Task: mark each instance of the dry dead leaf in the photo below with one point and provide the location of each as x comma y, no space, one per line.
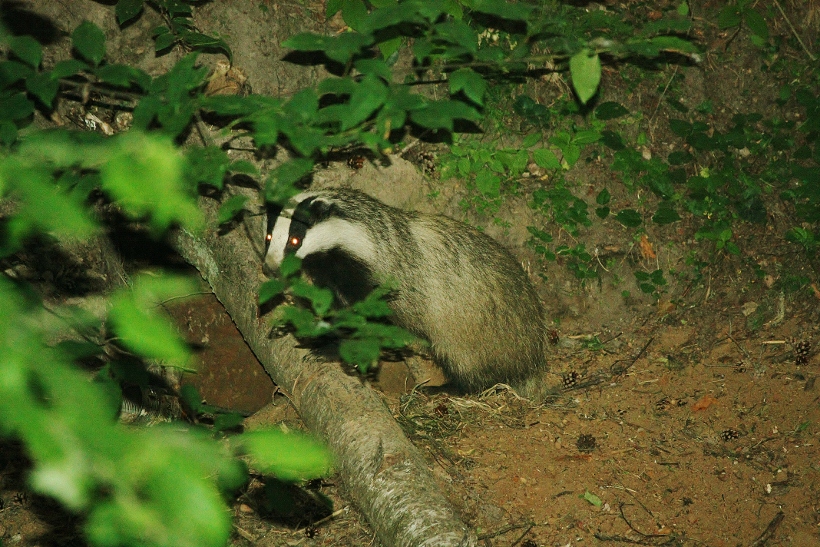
704,402
646,248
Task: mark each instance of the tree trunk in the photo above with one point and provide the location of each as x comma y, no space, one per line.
381,470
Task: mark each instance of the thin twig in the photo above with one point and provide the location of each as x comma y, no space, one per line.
794,31
619,370
322,520
509,528
657,106
767,534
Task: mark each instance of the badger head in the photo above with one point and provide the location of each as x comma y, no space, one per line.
323,229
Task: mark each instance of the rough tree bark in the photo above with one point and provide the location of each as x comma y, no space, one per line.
383,472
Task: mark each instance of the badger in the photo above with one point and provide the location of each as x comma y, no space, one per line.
451,284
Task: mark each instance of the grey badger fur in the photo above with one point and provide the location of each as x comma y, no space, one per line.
454,286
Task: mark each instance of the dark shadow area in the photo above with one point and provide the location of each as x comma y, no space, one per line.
20,21
30,518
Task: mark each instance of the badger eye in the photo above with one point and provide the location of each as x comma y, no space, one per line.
294,242
268,237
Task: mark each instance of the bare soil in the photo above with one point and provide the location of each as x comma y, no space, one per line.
688,420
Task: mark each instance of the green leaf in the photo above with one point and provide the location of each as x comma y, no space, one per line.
512,12
145,112
164,41
546,158
127,10
8,133
670,43
354,13
284,178
144,174
302,106
470,82
332,8
459,33
647,288
629,218
586,136
183,78
202,42
440,114
69,67
679,157
612,140
244,167
665,215
340,48
729,16
585,69
531,140
680,128
234,105
12,72
362,353
43,87
603,197
345,46
390,49
404,13
676,25
756,23
592,498
89,41
231,208
288,456
488,183
572,154
140,328
368,96
540,234
290,265
41,205
610,110
208,165
308,41
228,420
270,289
657,278
27,49
376,67
337,86
374,305
123,76
321,299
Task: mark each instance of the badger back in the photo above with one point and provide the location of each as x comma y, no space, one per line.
477,308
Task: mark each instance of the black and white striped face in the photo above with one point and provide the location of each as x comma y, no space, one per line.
312,223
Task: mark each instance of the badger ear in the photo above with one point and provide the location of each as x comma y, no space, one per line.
320,209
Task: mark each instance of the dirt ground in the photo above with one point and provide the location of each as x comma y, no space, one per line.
688,420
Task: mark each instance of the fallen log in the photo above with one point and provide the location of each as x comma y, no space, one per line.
382,472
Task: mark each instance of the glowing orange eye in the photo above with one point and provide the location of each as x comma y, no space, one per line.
268,237
294,241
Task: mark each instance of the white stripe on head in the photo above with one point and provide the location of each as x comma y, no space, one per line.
338,233
279,238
